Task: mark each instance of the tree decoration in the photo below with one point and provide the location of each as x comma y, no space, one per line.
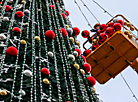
94,90
94,46
87,67
63,31
102,37
126,32
26,24
70,30
26,11
78,50
11,51
75,53
128,24
8,8
37,38
125,23
86,52
22,92
3,92
46,81
16,29
82,71
50,34
67,12
63,15
23,2
78,43
117,26
5,19
45,71
60,9
52,6
19,14
76,31
84,59
120,21
50,54
72,57
27,73
22,41
109,31
85,34
76,47
110,24
10,1
76,66
2,37
132,28
71,39
103,27
91,81
66,26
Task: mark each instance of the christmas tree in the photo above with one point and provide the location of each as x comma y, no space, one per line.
40,58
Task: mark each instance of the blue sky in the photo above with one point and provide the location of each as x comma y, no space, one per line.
114,90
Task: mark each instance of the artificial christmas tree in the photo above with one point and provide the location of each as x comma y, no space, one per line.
36,65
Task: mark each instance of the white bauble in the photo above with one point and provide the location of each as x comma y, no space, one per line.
75,53
5,19
27,72
50,54
2,37
70,30
72,57
26,11
22,92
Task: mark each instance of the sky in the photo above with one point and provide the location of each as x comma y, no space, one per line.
115,90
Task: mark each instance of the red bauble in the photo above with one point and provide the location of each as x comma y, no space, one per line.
117,26
19,14
98,32
53,7
103,27
7,8
45,71
120,21
67,12
16,29
87,67
109,31
11,51
110,24
63,31
102,37
78,50
76,31
85,34
50,6
84,59
63,15
50,34
94,46
86,52
91,81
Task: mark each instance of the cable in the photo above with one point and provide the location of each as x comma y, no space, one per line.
83,14
90,11
129,87
102,8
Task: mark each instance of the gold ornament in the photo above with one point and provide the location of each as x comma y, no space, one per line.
126,32
3,92
66,26
125,23
60,9
46,81
26,24
130,35
82,71
0,6
22,41
23,2
94,90
132,28
128,24
37,38
39,9
71,39
78,43
94,41
76,66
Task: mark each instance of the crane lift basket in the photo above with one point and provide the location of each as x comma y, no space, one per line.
114,55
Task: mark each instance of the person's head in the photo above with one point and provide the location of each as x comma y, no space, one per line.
97,26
